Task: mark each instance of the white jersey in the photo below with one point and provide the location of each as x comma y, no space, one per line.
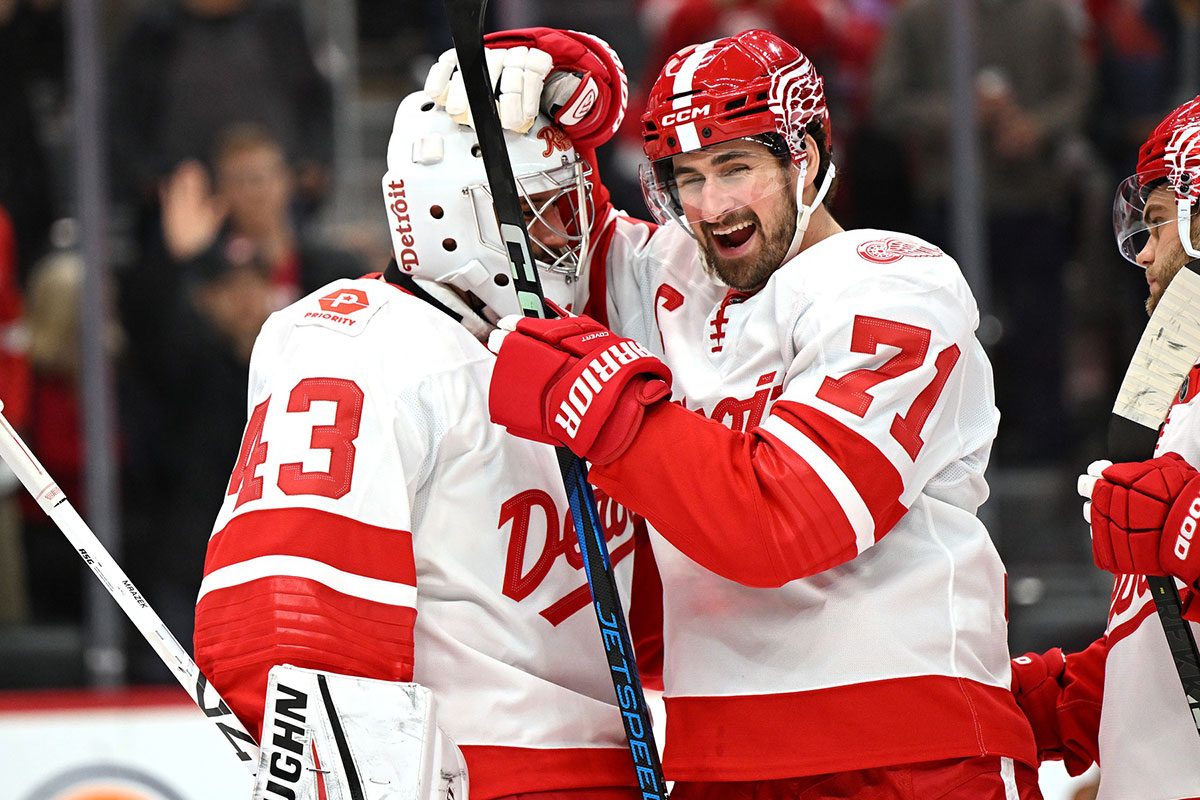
1149,748
379,524
863,416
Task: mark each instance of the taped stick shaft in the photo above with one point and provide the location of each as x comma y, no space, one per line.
50,497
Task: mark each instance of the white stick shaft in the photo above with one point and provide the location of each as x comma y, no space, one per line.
50,497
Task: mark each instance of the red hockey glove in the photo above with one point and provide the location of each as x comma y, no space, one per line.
1036,688
1144,516
572,381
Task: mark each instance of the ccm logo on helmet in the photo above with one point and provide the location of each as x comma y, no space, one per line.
599,371
684,115
1187,529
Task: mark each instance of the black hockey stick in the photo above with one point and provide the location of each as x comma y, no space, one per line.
1168,349
466,28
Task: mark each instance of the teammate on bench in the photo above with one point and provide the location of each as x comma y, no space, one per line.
1145,742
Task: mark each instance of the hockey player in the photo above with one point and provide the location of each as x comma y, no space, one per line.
834,609
1146,742
377,525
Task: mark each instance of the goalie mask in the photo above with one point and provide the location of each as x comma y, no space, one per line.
1169,160
440,213
752,86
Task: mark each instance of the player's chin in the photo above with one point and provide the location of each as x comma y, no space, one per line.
745,273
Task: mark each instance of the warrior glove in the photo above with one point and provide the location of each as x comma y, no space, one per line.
573,382
1144,516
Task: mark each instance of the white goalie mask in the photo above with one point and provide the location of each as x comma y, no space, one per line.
440,213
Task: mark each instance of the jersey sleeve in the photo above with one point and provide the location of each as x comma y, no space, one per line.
311,560
869,412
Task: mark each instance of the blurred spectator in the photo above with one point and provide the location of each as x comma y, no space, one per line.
190,332
187,68
1032,86
54,431
243,213
231,256
31,50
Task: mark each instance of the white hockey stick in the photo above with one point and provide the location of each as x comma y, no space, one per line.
38,482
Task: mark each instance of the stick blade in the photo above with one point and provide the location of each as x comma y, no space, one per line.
1167,351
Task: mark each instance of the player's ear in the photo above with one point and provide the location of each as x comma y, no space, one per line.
814,159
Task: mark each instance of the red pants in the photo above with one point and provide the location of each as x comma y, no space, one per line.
981,778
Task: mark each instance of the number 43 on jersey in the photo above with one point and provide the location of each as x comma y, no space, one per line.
336,438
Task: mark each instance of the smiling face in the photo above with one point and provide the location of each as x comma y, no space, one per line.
1162,256
739,201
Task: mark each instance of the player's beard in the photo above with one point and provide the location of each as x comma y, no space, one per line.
1164,280
750,272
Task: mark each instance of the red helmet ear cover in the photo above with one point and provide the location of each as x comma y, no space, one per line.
730,88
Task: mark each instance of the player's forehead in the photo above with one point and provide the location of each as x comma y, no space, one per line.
721,153
1160,202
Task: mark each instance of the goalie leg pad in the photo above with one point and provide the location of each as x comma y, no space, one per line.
338,737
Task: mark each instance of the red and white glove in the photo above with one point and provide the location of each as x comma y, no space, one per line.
572,381
519,77
574,78
1144,516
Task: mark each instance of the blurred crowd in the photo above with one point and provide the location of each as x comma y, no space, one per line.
220,127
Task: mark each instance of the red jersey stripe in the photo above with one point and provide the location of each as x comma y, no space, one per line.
842,728
343,543
504,771
876,479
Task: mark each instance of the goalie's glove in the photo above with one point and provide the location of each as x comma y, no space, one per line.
1144,516
519,79
574,78
571,381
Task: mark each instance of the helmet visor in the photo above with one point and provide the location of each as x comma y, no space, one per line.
715,183
1143,204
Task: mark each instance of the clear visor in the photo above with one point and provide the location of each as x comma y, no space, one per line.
558,215
714,185
1143,204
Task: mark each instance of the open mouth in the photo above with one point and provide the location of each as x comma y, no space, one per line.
733,240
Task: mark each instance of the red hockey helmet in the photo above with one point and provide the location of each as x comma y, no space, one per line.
750,86
743,85
1169,159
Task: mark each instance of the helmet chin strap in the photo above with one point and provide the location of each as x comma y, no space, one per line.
1183,214
804,212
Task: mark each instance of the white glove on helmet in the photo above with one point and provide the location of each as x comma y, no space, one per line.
523,81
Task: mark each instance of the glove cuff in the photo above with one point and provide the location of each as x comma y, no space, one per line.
1181,530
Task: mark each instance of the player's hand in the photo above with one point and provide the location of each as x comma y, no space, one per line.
1144,516
1035,685
519,81
572,381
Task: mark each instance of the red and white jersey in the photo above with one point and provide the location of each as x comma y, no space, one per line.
831,600
379,524
1148,743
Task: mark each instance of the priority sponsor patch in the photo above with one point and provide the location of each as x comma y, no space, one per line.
344,308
